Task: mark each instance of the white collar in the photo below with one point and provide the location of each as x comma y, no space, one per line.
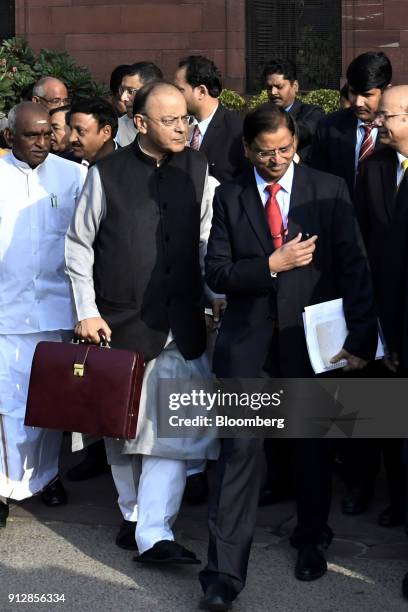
401,158
362,124
203,125
23,166
285,181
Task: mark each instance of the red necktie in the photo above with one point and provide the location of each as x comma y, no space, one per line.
195,139
274,216
367,146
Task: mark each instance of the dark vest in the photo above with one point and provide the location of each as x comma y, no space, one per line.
147,273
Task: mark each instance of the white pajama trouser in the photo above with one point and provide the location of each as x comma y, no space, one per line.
150,492
29,456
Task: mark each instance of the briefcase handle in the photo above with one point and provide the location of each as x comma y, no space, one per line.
104,343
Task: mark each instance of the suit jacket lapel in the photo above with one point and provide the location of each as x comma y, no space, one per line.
255,211
348,149
299,214
388,169
211,134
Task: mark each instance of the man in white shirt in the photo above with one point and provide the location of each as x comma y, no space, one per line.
136,76
38,195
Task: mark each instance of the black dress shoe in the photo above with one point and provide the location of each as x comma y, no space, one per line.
4,512
274,496
356,501
126,536
405,586
310,564
54,494
391,517
93,465
196,491
167,551
216,599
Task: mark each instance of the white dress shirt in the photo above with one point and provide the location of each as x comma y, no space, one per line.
126,131
283,195
36,206
360,138
203,126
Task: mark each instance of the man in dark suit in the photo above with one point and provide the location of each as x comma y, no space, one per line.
280,81
393,122
376,198
217,131
345,138
269,276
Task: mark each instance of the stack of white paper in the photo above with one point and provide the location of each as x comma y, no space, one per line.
326,331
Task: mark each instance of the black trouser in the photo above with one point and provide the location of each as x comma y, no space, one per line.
233,503
234,499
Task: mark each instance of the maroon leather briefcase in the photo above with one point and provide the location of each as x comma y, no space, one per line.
86,388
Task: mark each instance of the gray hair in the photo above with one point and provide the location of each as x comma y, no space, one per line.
12,118
39,87
15,111
3,122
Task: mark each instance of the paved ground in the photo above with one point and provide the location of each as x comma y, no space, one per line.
71,551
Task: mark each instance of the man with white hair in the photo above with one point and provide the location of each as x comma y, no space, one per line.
38,195
50,93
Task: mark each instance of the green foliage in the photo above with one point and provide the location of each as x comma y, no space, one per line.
257,100
329,99
21,68
231,100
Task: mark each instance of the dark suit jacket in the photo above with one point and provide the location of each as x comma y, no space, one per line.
394,279
237,264
222,145
374,201
334,146
307,116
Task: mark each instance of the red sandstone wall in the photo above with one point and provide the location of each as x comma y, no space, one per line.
377,25
102,34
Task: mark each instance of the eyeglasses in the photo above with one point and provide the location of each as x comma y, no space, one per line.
383,116
272,153
56,101
169,121
131,91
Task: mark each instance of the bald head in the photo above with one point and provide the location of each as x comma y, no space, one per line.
397,97
392,119
152,92
50,93
160,115
29,132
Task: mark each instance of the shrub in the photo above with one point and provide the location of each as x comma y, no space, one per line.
258,99
329,99
232,100
20,68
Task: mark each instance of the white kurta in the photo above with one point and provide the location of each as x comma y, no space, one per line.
170,363
36,206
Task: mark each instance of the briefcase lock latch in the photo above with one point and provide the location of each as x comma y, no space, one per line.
79,369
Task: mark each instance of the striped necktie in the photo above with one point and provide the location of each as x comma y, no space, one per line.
195,139
367,146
